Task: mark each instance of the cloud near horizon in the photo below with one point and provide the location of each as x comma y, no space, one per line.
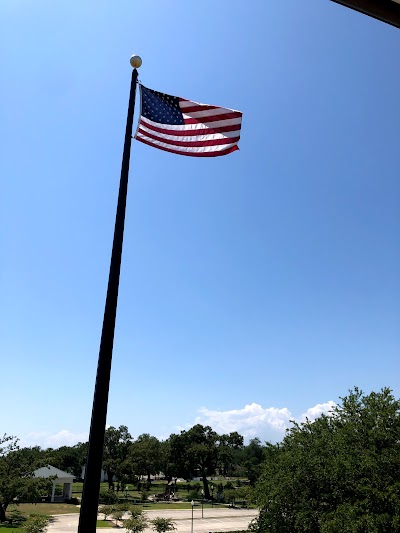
253,420
53,440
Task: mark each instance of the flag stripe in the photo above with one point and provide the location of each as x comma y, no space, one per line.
208,118
204,141
192,127
200,152
229,131
222,113
188,107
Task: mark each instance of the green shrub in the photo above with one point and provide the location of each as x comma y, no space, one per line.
117,515
144,495
36,524
161,525
16,518
108,497
136,524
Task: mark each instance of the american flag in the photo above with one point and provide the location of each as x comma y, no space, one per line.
186,128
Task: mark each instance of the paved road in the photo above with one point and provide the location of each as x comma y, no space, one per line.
214,520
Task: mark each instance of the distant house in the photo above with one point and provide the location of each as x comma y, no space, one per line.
103,475
62,478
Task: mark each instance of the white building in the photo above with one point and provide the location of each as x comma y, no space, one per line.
62,478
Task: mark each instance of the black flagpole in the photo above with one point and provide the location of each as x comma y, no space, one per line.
91,487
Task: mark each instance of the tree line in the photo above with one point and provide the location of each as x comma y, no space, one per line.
197,452
337,474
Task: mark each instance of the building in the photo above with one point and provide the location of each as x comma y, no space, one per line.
61,478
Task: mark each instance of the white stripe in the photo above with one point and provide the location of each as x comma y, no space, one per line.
207,113
188,103
207,137
194,149
197,126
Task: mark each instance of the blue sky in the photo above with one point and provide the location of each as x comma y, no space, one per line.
255,287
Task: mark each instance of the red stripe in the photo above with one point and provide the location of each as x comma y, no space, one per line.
198,107
193,154
203,131
214,118
189,144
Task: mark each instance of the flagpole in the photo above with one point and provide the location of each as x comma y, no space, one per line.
91,487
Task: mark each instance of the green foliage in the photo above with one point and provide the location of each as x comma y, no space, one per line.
161,525
199,452
251,459
108,497
144,495
339,474
16,517
36,524
107,510
145,456
193,495
117,515
68,458
116,446
136,524
16,474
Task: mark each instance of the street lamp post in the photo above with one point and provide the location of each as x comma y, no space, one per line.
192,504
202,502
212,495
127,492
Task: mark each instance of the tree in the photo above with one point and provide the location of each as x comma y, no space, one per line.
117,515
145,457
339,474
16,474
69,458
194,452
228,452
136,523
116,445
251,459
106,510
162,525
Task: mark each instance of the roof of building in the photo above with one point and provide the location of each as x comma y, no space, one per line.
50,471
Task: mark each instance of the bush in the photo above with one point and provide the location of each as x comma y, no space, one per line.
36,524
117,515
144,495
193,495
16,517
161,525
108,497
136,524
107,510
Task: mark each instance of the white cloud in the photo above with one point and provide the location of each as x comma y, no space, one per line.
316,411
53,440
253,420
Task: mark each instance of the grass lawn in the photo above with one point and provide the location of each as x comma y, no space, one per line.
9,529
44,508
104,523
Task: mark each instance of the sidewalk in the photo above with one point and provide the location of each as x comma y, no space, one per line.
214,520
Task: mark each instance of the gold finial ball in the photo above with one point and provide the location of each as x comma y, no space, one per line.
135,61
